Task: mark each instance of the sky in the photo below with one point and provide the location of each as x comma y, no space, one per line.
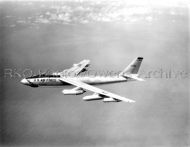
42,35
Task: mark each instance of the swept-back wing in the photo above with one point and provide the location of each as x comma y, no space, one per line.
95,89
76,69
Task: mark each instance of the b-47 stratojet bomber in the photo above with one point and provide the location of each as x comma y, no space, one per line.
83,83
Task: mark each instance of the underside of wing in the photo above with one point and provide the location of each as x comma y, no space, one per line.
98,93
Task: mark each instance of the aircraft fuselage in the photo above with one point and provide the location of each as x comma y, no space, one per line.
55,81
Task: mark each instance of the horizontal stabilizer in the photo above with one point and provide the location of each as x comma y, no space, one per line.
134,76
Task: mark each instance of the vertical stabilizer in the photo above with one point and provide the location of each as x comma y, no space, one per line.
133,67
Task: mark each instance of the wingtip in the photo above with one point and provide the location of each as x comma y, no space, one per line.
132,101
142,80
86,60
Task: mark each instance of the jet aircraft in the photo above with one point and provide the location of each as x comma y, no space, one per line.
83,83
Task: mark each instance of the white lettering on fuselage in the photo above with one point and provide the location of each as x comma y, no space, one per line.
44,80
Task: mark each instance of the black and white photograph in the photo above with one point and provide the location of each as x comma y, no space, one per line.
94,73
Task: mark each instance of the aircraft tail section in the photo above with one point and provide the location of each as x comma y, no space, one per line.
133,67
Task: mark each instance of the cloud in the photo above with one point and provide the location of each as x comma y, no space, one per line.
87,12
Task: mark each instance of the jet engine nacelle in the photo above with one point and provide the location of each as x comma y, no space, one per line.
73,91
109,99
92,97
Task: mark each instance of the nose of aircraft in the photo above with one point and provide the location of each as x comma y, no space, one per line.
24,81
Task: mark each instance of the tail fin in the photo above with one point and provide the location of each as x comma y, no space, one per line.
133,67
